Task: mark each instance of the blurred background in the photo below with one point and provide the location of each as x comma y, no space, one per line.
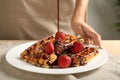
102,15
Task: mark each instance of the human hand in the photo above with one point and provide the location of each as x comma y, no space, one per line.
89,35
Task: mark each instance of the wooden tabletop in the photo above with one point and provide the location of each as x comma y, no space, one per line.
112,46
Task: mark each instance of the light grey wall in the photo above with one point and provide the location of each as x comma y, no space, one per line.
101,16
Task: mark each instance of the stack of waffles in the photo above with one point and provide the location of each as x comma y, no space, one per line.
61,51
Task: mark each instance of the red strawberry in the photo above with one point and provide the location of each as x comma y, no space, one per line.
60,35
49,48
64,61
77,47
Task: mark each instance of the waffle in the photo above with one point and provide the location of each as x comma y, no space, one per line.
36,55
84,56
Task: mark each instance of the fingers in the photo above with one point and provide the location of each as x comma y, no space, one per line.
92,35
89,35
79,30
97,40
87,39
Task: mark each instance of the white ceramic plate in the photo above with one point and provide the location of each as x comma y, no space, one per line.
13,58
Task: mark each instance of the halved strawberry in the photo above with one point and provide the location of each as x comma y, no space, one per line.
64,61
77,47
49,47
60,35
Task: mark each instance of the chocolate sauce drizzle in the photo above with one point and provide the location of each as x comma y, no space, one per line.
58,15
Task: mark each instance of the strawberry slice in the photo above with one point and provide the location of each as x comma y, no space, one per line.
77,47
64,61
60,35
49,47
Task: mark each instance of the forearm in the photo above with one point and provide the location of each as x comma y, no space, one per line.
80,8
